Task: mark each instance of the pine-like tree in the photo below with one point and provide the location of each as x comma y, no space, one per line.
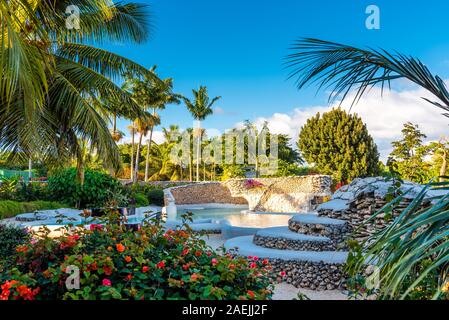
409,153
338,144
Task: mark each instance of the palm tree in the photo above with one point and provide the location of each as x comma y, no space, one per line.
343,68
132,130
200,108
51,75
152,93
143,127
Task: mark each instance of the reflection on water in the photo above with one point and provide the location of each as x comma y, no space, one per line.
237,218
255,220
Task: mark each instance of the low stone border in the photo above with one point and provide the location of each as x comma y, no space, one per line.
288,244
310,275
335,232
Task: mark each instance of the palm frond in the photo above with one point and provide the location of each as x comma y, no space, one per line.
344,69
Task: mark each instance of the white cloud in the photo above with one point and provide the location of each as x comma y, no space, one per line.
158,137
384,116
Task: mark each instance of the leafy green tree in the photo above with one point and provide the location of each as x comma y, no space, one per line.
408,154
51,75
338,144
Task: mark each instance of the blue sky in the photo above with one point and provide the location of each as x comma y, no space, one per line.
235,48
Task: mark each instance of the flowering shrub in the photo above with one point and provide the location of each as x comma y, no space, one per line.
116,262
251,184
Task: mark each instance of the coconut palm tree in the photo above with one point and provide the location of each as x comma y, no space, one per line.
51,74
143,125
132,129
343,68
152,93
200,108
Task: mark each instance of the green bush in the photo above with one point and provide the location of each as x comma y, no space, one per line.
32,192
156,197
9,208
116,262
140,199
98,188
10,238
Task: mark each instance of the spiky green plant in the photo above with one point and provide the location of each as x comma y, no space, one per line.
412,252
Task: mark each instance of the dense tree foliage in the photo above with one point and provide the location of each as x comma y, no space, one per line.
338,144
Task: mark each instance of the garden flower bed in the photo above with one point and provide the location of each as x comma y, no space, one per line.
116,262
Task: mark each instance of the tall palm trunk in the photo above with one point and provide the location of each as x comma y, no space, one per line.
198,152
443,167
147,159
30,167
204,171
136,165
132,153
191,167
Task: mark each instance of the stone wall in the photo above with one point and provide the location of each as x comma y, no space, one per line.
360,200
287,194
310,275
209,192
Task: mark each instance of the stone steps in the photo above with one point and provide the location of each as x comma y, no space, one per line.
316,270
246,247
313,225
284,239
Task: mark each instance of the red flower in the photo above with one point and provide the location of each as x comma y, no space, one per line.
282,273
94,227
120,247
145,269
253,265
214,261
255,258
128,259
160,265
232,266
194,277
185,252
265,262
129,277
251,294
208,253
107,282
107,270
198,253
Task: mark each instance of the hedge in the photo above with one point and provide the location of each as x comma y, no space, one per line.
9,208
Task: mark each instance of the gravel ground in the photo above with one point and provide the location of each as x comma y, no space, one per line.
284,291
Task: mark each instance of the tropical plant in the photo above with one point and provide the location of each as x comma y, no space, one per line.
52,75
200,108
10,237
118,262
143,126
338,144
341,69
411,253
96,191
155,95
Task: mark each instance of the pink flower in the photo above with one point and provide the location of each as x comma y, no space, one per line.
255,258
98,227
282,273
214,261
107,282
